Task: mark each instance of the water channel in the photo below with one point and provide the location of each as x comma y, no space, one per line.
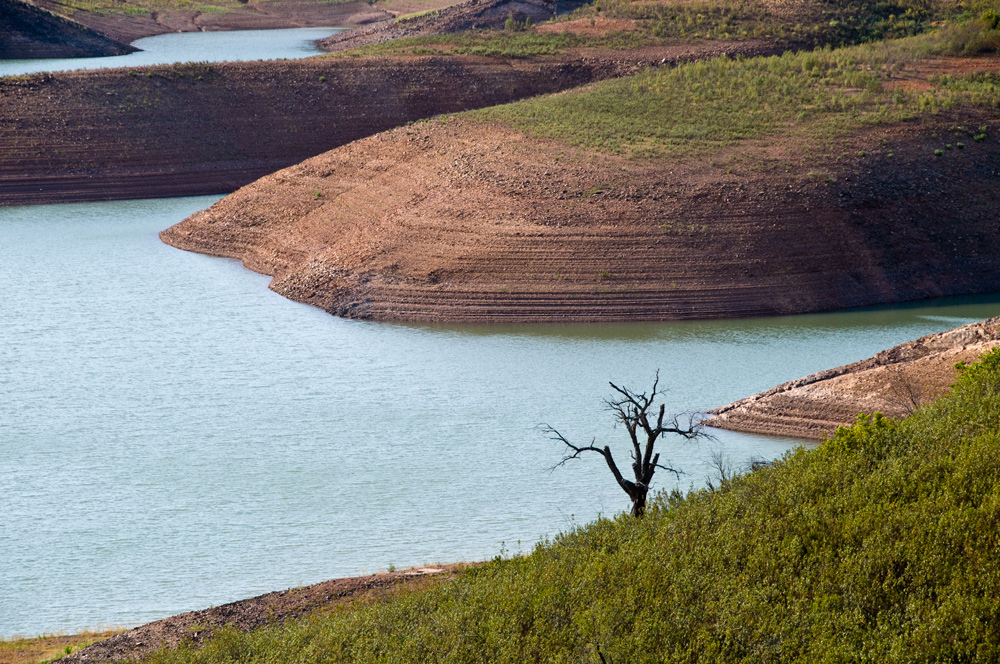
170,48
173,435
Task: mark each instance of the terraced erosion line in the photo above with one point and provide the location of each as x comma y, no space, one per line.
893,382
200,129
469,221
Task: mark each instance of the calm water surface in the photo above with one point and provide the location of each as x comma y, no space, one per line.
191,47
174,435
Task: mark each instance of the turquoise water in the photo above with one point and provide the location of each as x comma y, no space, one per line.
173,435
191,47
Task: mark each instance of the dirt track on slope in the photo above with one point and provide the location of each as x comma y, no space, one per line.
474,222
893,382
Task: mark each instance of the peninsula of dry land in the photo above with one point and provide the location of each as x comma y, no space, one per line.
728,187
894,382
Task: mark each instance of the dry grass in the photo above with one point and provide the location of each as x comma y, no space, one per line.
49,647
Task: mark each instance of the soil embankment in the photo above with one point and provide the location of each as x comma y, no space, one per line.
252,15
468,221
29,32
179,130
893,382
196,627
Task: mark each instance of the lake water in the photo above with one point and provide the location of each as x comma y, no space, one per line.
173,435
177,47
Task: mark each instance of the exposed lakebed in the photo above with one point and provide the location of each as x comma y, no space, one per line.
173,435
180,47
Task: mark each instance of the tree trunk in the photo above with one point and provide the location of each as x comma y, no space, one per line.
639,502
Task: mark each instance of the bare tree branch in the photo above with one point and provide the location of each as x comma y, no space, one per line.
632,410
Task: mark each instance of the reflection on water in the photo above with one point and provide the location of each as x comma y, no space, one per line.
177,47
174,435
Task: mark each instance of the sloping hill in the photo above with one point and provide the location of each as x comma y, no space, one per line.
28,32
691,192
179,130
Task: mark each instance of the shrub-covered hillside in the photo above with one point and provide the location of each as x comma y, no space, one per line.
629,24
881,545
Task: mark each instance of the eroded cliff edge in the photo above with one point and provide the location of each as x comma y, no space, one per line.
893,382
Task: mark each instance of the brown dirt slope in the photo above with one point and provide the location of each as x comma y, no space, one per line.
893,382
28,32
196,626
467,221
252,15
197,129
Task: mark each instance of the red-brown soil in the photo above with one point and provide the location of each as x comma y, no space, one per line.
917,75
196,627
199,129
28,32
472,222
588,27
893,382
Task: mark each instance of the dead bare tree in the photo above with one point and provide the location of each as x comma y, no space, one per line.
634,411
904,393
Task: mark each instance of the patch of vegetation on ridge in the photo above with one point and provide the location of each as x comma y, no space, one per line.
501,44
880,545
702,106
805,24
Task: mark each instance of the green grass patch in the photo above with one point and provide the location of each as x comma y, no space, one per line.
406,18
804,23
500,44
702,106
